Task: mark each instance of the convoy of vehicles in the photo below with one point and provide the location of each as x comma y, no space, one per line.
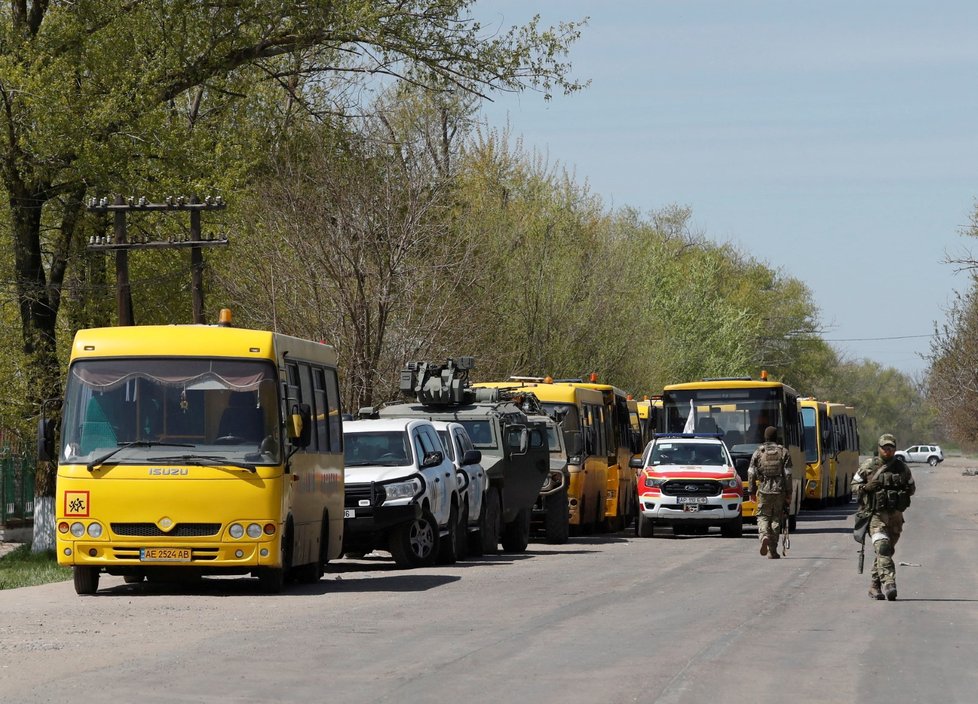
740,409
688,482
209,450
402,492
191,450
514,448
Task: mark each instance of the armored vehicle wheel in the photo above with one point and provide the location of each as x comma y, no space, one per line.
486,539
516,534
734,528
86,579
415,544
644,526
556,522
448,543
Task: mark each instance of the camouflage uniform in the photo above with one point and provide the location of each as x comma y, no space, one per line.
885,505
773,490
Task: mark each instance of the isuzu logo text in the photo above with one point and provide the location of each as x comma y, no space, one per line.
168,471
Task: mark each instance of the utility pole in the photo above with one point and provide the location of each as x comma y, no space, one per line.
119,243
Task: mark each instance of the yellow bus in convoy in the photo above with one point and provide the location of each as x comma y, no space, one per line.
819,447
192,450
844,459
739,409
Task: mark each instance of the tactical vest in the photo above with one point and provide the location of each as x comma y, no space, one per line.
894,494
770,469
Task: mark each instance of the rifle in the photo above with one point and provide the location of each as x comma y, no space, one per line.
860,526
785,531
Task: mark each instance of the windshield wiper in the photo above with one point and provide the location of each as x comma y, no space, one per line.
204,461
135,443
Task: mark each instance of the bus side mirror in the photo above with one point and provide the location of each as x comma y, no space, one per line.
45,439
300,425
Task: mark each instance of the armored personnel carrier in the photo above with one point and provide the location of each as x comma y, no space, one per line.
514,447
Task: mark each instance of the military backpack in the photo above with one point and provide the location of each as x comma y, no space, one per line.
770,469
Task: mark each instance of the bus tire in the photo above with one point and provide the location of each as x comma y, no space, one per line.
85,579
486,540
415,543
516,534
271,579
644,527
556,522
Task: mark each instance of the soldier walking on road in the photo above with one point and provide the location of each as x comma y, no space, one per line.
769,484
884,485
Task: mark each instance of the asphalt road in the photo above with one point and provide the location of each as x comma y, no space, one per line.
602,619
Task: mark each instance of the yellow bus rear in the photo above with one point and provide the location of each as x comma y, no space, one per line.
199,450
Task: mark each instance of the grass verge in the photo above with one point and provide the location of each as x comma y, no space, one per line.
22,568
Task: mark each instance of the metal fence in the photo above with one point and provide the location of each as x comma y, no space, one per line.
16,488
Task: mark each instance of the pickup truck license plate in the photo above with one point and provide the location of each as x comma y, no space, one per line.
164,554
349,513
692,499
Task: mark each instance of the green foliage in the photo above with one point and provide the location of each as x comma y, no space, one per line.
23,568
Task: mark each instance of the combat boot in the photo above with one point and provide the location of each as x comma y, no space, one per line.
773,555
765,541
889,591
874,591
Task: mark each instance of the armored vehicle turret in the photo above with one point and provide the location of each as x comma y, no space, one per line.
514,447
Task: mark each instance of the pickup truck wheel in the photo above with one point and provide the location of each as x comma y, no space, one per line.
556,522
932,461
85,579
486,540
734,528
415,544
516,534
644,526
448,543
462,535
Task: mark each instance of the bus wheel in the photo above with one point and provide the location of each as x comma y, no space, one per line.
644,526
86,579
516,534
415,544
557,518
271,579
486,540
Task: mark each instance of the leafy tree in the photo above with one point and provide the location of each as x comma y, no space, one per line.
110,95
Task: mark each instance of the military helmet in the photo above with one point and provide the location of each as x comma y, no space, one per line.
887,439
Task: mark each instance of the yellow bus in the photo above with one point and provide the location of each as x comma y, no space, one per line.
819,448
191,450
648,416
740,409
844,460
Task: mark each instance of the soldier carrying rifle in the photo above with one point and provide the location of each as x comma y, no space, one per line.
769,484
884,486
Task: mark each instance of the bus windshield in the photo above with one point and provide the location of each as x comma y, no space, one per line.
225,408
811,435
739,415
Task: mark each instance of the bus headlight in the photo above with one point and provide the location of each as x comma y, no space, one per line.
254,530
95,530
399,491
77,529
236,530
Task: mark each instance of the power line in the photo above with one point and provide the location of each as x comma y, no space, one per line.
874,339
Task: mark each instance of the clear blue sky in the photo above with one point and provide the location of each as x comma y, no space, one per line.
836,141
